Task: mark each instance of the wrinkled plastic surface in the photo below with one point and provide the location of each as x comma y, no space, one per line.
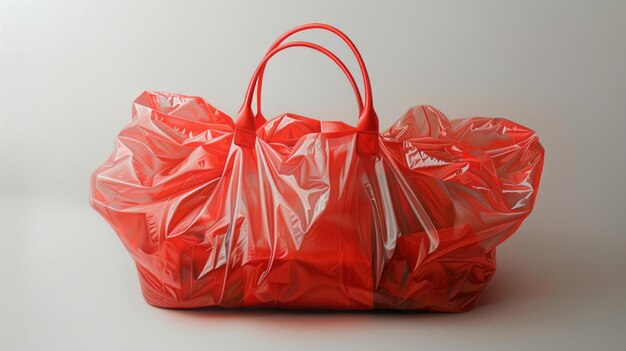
301,221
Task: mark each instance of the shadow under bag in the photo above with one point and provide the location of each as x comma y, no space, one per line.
293,212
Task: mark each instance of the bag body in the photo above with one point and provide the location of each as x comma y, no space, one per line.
299,213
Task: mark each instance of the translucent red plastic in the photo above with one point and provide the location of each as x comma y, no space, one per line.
300,213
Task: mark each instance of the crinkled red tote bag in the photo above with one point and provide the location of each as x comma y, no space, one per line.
293,212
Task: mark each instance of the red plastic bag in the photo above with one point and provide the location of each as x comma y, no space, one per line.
299,213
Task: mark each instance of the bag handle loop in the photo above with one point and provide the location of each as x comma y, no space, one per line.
259,115
367,126
260,119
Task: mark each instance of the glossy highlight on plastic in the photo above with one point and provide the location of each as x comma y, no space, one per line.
294,212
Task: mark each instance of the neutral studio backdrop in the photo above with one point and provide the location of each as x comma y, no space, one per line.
69,71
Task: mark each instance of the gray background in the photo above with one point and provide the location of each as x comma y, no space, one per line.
69,71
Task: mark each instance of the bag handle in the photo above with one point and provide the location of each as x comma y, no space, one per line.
260,119
291,32
367,126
